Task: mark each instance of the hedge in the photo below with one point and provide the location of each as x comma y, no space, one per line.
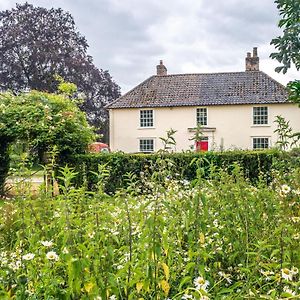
4,165
253,163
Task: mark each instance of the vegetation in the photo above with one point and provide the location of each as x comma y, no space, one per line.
288,45
159,238
36,44
252,163
43,121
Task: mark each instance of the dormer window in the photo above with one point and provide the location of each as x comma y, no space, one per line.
146,118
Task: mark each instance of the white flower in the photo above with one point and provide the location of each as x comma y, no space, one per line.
91,234
187,296
47,243
285,189
113,297
65,251
28,256
289,291
294,270
286,274
226,277
200,283
51,255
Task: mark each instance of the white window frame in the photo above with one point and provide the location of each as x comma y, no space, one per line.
146,121
260,143
259,117
146,150
201,115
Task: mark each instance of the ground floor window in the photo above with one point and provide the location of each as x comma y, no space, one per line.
146,145
260,143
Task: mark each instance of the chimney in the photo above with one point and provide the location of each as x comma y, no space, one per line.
252,63
161,69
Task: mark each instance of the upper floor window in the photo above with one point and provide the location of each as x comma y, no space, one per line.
260,115
146,118
202,116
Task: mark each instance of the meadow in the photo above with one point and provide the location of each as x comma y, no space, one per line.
160,237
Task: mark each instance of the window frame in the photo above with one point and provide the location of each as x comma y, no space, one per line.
146,121
200,117
146,150
260,118
260,143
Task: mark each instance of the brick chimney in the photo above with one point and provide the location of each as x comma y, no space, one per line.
252,62
161,69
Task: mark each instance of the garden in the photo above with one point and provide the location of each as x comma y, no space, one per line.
164,234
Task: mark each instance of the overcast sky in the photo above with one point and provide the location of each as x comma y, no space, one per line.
129,37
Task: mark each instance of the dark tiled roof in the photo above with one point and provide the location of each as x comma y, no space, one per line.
250,87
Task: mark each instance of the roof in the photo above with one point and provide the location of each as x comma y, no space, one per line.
249,87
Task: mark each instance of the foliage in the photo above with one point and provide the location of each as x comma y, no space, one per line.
36,44
4,163
169,141
286,137
288,45
252,162
294,91
44,121
220,238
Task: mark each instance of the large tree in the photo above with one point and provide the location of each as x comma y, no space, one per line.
36,44
288,45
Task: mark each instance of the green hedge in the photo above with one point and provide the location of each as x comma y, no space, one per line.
4,164
252,163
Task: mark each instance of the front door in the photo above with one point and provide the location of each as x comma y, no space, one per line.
202,145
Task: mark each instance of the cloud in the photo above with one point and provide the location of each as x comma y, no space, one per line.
129,37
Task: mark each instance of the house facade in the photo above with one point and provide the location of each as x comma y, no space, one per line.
235,110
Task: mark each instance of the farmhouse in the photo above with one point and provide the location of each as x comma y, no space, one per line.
234,109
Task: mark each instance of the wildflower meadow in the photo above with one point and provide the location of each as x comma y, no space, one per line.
160,237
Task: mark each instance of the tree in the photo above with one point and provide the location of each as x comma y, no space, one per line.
36,44
43,121
288,45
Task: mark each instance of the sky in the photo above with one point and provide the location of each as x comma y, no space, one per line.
129,37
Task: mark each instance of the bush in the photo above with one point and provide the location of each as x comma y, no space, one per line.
253,163
4,164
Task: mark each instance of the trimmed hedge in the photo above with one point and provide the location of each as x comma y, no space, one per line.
253,163
4,165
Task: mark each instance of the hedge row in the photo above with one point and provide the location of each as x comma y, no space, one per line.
4,165
253,163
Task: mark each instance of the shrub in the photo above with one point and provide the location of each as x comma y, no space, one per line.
4,164
184,164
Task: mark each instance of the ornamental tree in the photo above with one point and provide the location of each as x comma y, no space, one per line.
44,120
36,44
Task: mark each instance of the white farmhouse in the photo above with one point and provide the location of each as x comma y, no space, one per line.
235,110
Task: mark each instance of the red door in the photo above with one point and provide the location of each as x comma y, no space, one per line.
202,146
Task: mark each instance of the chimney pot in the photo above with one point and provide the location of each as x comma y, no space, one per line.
254,51
252,63
161,69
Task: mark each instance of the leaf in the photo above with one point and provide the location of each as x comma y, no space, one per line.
139,286
165,287
166,270
89,286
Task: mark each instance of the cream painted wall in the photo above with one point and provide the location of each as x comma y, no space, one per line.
232,123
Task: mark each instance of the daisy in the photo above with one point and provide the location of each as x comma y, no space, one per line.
28,256
51,255
286,274
200,283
